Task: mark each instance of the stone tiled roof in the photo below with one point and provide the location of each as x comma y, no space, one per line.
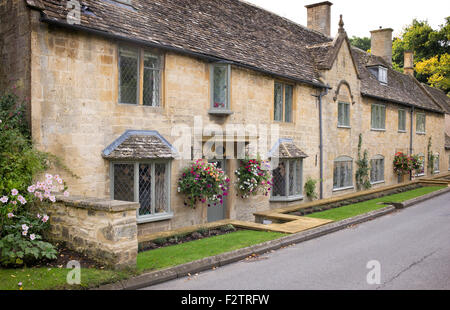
285,148
139,145
237,32
226,29
400,88
439,95
447,142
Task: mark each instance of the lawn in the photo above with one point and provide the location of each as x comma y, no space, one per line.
198,249
55,278
345,212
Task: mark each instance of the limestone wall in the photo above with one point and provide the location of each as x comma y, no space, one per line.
105,230
76,115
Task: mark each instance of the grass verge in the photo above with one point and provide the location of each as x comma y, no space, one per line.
198,249
55,278
349,211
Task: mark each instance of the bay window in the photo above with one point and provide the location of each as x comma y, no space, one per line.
288,180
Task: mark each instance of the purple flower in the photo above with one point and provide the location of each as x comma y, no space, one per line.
14,192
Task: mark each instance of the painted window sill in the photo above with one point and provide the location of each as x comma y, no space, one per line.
343,189
377,182
402,131
286,199
154,218
219,112
420,175
344,127
379,130
420,133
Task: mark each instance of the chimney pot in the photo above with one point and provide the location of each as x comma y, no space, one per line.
408,66
382,44
319,17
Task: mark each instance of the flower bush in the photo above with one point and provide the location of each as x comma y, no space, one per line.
416,163
253,178
203,182
22,226
402,164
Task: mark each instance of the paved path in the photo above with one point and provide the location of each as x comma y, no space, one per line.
412,246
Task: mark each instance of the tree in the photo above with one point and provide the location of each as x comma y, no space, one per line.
362,43
431,48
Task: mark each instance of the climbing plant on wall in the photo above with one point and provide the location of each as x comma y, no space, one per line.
362,171
431,156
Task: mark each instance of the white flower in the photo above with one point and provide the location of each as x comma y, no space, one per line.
52,198
24,233
10,215
66,193
14,192
31,189
32,237
45,218
25,227
4,199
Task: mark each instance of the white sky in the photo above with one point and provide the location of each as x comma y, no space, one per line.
361,16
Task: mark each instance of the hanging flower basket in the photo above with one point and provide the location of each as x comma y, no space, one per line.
403,164
203,182
253,178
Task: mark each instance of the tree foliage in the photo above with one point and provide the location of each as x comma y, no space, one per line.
362,43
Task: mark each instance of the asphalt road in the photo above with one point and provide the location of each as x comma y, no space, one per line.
411,245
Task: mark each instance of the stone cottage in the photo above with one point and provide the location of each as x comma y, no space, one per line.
109,80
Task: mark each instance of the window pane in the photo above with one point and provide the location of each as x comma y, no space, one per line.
152,80
145,189
288,103
373,116
278,102
299,183
383,117
161,188
128,75
124,182
291,177
220,82
279,180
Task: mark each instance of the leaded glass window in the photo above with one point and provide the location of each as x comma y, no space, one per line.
402,120
377,169
343,173
152,79
421,170
378,117
147,183
137,65
283,102
220,79
420,122
436,164
343,114
288,180
128,75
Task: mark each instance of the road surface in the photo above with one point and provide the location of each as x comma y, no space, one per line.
412,247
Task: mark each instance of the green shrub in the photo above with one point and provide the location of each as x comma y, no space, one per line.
310,188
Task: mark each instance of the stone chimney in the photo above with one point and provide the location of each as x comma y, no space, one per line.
382,43
319,17
408,66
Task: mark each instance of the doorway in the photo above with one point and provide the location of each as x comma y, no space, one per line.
217,212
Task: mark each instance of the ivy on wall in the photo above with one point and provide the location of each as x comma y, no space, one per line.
362,171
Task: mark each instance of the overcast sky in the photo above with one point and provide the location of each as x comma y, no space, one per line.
361,16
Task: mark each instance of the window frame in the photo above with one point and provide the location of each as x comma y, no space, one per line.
289,198
424,123
283,104
383,70
348,106
140,72
372,117
404,121
421,174
339,160
378,158
437,160
149,217
227,109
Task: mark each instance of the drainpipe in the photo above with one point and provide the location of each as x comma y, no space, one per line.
322,93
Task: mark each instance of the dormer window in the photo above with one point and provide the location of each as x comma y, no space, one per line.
380,73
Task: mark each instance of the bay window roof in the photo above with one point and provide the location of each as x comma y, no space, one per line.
285,149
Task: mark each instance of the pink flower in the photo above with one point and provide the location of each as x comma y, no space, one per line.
52,198
14,192
24,233
66,194
10,215
14,202
39,216
45,218
4,199
31,189
25,227
21,199
32,237
48,176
